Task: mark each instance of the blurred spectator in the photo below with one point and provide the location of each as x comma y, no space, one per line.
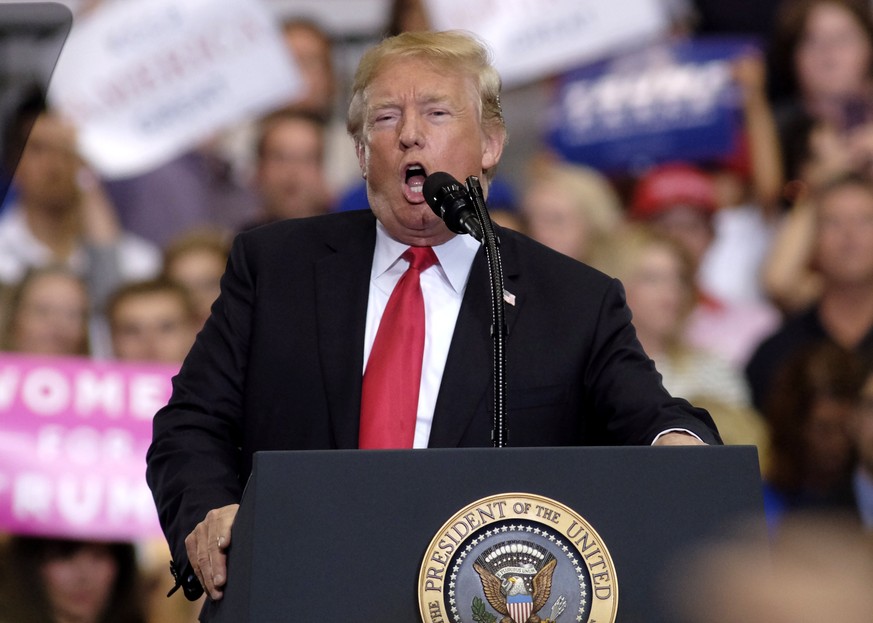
658,276
788,274
63,216
680,200
820,568
407,16
861,432
572,209
197,261
152,321
312,49
808,414
290,166
842,249
47,314
67,581
823,52
747,186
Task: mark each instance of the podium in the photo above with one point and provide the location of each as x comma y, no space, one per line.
342,535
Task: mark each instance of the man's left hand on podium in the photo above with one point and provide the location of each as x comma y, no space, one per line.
207,549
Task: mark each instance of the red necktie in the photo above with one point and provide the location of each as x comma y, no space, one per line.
389,400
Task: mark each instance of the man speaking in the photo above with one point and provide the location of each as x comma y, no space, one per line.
371,329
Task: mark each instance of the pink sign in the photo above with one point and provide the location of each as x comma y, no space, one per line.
73,439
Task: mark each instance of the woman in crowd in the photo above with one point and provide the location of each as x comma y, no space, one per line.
823,50
47,314
658,275
50,580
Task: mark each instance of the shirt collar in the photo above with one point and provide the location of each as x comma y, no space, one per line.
455,256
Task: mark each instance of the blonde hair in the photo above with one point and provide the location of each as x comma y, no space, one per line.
629,245
212,241
592,194
453,49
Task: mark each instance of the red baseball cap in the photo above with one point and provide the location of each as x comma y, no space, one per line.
671,185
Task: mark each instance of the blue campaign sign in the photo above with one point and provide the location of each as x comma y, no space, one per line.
675,101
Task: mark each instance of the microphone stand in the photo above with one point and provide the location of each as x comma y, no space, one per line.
498,321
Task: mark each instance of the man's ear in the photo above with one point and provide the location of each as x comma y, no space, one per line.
493,139
361,152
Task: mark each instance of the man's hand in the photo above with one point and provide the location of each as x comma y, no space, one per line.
678,439
207,548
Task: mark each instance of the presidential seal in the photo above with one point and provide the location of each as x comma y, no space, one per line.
517,558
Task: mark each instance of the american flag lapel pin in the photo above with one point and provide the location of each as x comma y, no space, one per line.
509,297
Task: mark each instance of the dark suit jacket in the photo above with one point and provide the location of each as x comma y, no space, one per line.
278,366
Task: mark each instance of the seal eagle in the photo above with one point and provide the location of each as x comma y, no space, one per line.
507,595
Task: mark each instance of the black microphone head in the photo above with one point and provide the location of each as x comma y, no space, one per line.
437,188
451,202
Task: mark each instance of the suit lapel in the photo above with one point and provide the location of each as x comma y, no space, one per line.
341,291
467,379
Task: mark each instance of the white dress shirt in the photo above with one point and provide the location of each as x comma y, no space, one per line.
442,286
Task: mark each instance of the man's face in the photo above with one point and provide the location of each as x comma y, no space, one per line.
420,118
312,54
46,173
845,236
152,327
290,174
200,271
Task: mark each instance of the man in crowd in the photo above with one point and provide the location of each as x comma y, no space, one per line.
299,352
152,320
289,175
843,314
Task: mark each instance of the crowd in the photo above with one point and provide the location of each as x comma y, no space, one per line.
750,278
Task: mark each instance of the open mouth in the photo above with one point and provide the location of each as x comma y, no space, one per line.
415,176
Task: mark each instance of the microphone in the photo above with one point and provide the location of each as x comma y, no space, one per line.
451,202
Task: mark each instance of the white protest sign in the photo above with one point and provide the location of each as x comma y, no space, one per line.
146,80
535,38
